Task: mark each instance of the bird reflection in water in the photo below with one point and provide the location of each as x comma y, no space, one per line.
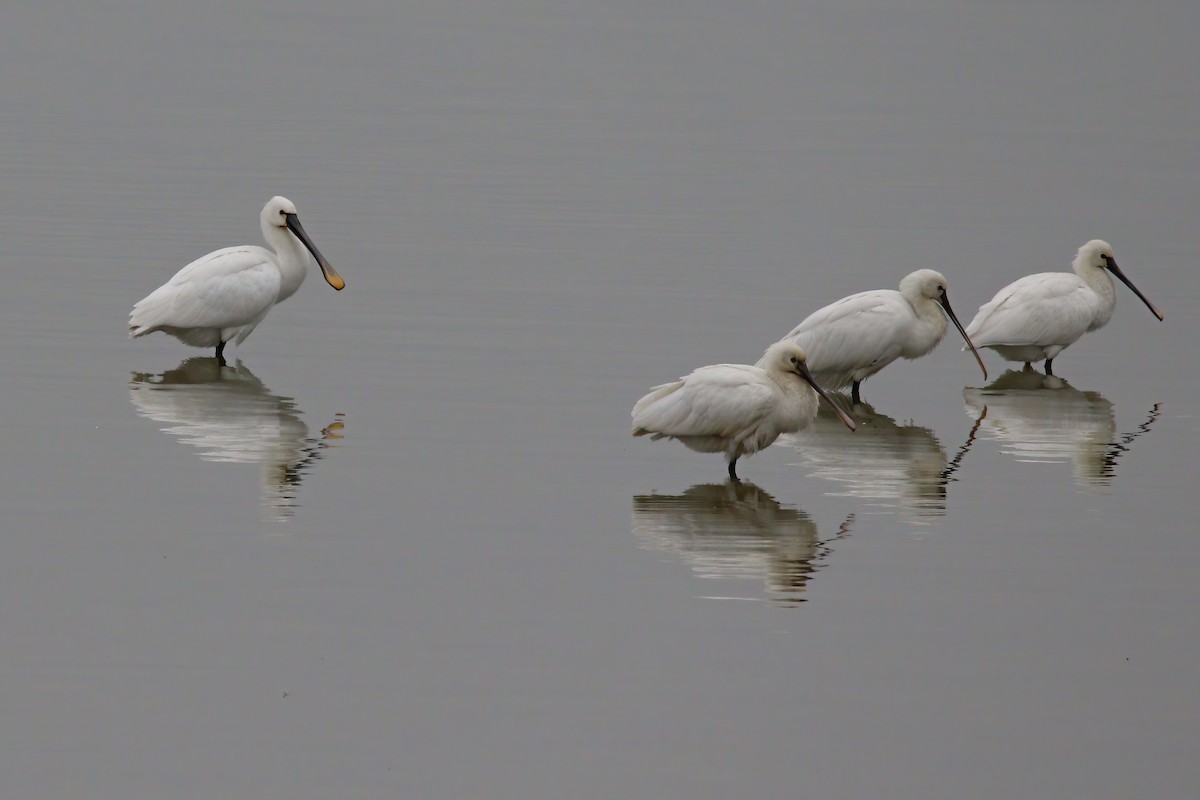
736,530
228,415
896,468
1040,418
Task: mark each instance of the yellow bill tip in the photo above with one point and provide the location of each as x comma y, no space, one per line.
334,280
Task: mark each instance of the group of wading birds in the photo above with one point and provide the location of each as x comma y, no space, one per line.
735,409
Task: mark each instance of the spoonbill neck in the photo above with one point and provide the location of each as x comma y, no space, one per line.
1098,280
290,257
928,329
931,311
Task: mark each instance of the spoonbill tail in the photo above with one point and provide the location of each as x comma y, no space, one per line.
851,339
1039,316
221,297
735,409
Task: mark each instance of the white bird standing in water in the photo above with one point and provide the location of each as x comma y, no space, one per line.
1039,316
851,339
221,297
736,409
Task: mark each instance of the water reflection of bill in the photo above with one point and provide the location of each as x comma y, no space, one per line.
1040,418
894,467
735,530
228,415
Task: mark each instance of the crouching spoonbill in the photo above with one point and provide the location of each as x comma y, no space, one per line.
851,339
1037,317
735,409
221,297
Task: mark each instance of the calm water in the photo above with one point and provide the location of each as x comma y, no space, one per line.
407,548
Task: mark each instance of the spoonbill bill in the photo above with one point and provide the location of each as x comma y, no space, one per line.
851,339
1037,317
221,297
735,409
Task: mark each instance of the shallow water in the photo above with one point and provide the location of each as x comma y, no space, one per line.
407,547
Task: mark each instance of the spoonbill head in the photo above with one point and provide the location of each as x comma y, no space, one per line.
853,338
735,409
1037,317
221,297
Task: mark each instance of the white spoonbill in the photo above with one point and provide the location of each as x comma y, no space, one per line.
221,297
1037,317
851,339
736,409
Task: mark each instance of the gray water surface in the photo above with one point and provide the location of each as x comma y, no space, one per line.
404,546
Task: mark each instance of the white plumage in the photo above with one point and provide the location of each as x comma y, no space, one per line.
851,339
221,297
736,409
1039,316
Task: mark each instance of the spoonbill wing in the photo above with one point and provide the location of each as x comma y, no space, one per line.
1044,309
223,289
720,400
856,331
